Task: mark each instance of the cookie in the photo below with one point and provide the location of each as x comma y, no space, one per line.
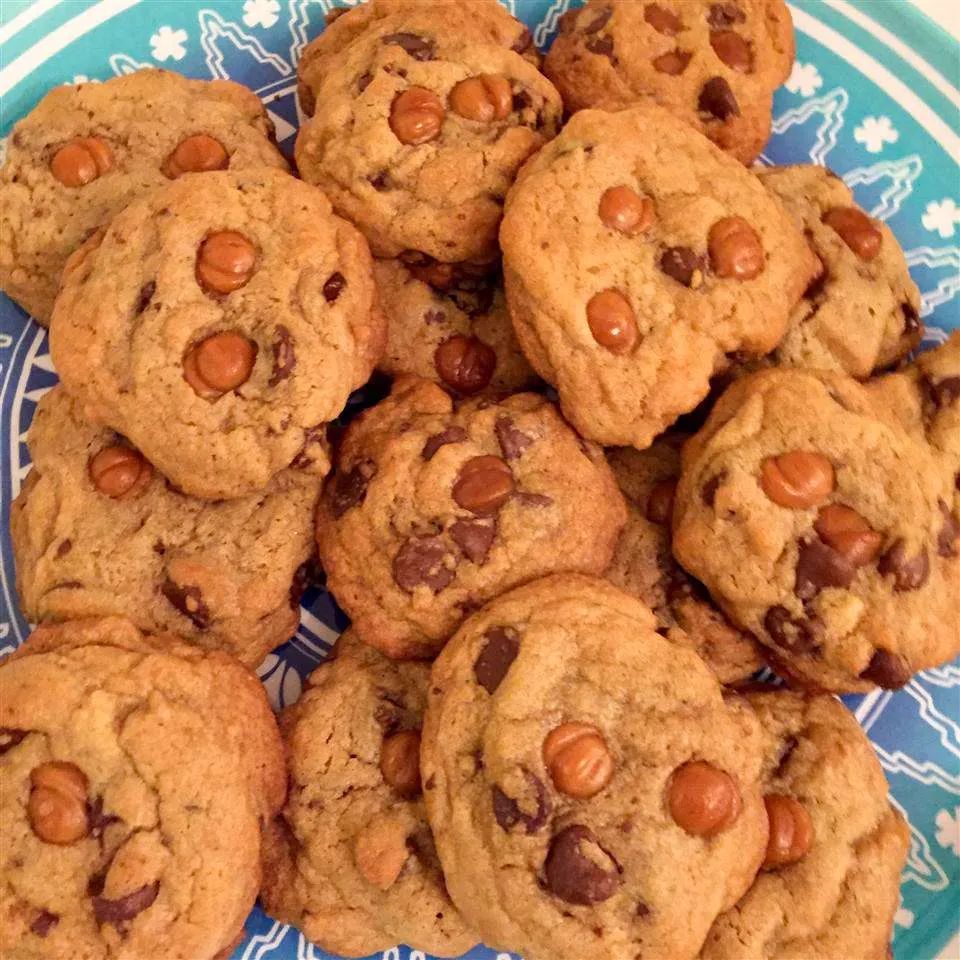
477,21
450,325
87,150
96,531
831,878
861,313
136,772
584,777
353,838
435,507
637,256
712,65
219,324
643,563
417,137
822,526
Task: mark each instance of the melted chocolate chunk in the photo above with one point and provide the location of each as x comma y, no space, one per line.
423,561
500,649
510,814
513,441
284,356
125,908
189,601
438,440
349,489
474,538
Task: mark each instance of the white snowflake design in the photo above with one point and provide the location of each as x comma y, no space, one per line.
168,43
875,133
941,216
804,79
948,829
261,13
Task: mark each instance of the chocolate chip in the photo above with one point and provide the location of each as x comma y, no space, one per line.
125,908
943,392
573,870
800,635
681,264
146,295
909,573
642,911
43,923
510,814
521,100
888,670
513,441
819,566
522,42
380,181
602,46
65,547
600,21
949,532
709,491
534,499
725,15
9,738
189,601
423,561
284,356
474,538
438,440
349,489
499,651
717,99
420,48
333,287
363,81
473,301
98,820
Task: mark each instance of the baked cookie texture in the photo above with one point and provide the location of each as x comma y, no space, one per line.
474,21
862,312
351,860
637,256
565,741
835,893
97,532
450,326
417,136
87,150
219,324
136,775
712,65
840,523
643,563
435,508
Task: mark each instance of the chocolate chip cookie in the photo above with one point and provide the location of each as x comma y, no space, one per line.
477,21
219,324
353,835
636,257
712,65
830,881
643,563
824,527
584,777
97,531
136,772
87,150
861,312
416,138
435,507
450,325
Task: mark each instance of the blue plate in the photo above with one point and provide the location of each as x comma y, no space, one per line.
871,95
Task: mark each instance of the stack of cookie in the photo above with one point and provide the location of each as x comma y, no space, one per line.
585,768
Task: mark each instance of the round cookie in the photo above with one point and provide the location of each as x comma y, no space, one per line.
436,507
136,773
87,150
862,312
712,65
450,326
97,532
824,527
353,835
831,883
636,257
476,21
219,324
643,563
584,777
417,137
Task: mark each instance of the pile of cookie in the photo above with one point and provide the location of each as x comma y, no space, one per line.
652,427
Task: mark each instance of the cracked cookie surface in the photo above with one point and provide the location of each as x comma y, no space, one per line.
636,257
87,150
219,324
136,774
434,508
94,542
351,859
584,776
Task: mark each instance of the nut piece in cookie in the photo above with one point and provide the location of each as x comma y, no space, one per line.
435,507
87,150
136,774
572,760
